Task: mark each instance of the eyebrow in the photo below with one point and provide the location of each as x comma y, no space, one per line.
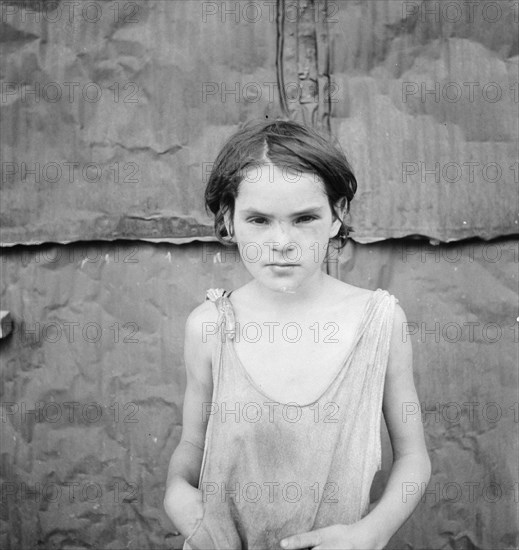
306,211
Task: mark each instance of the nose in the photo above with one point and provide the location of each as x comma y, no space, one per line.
282,237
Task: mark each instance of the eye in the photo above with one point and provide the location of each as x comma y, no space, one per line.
257,220
306,219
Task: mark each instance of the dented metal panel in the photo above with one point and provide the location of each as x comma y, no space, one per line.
93,381
109,127
112,115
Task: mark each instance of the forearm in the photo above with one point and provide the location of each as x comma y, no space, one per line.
182,499
409,476
185,464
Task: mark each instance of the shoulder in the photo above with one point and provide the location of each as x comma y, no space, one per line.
399,317
204,315
385,304
204,312
400,352
201,329
364,293
346,294
384,298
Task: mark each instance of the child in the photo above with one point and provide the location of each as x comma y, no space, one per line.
286,380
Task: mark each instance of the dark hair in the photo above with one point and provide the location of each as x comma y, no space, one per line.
286,144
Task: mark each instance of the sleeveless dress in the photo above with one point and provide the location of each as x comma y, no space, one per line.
271,469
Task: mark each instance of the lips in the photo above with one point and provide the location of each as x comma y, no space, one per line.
284,265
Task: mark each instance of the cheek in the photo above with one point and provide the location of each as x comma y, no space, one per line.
317,231
244,232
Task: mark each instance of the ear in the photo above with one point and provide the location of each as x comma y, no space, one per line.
340,208
228,225
340,205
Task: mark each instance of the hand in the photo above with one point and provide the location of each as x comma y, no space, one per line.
341,537
184,506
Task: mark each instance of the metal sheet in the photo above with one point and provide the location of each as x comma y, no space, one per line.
112,114
109,126
93,381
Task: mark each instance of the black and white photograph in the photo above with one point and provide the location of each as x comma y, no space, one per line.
259,275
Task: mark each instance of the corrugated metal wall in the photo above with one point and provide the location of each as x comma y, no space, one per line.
113,112
92,376
93,379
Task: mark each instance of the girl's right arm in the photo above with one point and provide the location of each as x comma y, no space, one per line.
183,500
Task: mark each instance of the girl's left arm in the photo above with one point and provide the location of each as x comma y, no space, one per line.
411,470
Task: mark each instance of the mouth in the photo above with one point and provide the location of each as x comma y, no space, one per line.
283,265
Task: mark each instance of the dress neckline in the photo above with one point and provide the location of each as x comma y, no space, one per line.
360,329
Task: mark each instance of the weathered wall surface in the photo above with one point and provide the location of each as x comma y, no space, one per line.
426,101
130,103
93,378
113,111
112,114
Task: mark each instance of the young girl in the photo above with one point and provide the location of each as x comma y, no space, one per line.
287,375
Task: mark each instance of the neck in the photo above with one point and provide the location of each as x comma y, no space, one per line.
286,301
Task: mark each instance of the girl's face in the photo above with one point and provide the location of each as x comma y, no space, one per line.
282,225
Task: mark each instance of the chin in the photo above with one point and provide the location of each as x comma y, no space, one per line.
286,287
288,290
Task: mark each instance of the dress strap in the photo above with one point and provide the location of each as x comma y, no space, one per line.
220,297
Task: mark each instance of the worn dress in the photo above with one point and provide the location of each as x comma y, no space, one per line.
271,469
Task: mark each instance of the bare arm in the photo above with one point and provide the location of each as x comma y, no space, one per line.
411,470
186,461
